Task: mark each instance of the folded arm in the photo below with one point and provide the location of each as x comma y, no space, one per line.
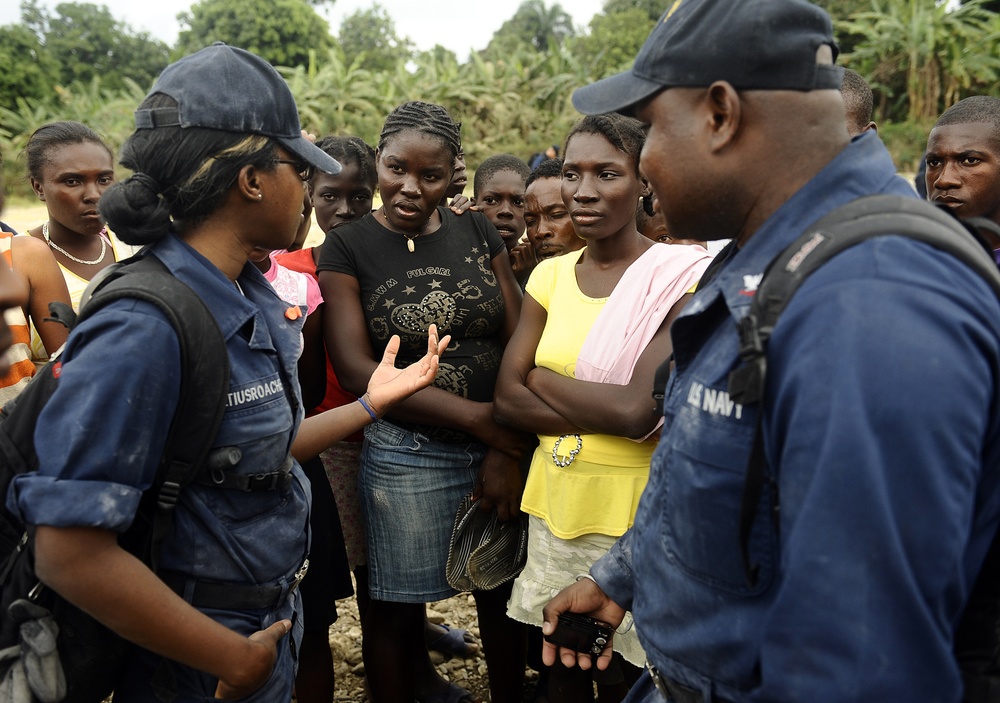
515,403
605,408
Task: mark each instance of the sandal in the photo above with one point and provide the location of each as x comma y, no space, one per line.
454,642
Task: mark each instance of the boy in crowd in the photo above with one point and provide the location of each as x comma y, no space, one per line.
498,193
858,102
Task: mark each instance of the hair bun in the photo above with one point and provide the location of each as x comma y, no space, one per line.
135,210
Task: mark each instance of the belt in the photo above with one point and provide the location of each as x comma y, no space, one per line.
674,692
220,595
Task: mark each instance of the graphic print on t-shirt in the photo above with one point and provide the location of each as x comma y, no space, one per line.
446,280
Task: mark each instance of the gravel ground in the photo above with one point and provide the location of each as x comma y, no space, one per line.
460,611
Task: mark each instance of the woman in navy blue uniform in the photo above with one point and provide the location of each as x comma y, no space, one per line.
220,168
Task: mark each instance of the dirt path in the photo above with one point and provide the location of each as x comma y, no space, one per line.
460,611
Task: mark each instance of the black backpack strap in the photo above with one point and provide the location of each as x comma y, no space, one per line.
660,381
204,378
872,216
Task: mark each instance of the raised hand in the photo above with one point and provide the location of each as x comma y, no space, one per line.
389,385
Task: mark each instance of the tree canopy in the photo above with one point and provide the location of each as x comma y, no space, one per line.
29,72
83,41
925,50
614,40
653,9
282,32
370,35
534,24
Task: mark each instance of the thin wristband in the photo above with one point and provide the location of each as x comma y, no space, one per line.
367,407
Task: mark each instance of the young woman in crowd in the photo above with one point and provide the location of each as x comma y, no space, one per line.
568,375
498,193
336,200
410,264
205,195
69,168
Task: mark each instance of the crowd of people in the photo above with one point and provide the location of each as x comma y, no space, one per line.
505,348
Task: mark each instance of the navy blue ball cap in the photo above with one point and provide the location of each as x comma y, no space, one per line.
751,44
229,89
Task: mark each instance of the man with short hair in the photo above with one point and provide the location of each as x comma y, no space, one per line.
879,435
963,159
858,102
549,226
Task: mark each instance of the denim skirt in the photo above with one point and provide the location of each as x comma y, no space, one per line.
410,488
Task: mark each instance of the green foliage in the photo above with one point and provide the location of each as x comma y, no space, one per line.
942,52
652,9
843,11
336,97
533,25
613,41
280,31
906,142
370,35
991,5
26,69
83,41
86,42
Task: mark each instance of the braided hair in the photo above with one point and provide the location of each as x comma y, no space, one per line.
427,118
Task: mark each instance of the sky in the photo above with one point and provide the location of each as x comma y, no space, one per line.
459,26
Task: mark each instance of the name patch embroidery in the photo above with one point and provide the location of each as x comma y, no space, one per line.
713,401
254,392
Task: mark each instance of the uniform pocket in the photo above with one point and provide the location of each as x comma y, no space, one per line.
703,479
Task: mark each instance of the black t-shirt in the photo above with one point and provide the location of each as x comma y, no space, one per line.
446,280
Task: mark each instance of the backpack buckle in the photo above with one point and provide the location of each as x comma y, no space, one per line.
746,383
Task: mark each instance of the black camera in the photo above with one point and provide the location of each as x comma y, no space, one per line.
581,633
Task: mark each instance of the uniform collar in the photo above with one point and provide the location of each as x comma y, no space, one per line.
231,309
862,168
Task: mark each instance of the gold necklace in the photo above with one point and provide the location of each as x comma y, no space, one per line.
409,240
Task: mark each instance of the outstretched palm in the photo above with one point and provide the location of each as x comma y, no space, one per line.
388,385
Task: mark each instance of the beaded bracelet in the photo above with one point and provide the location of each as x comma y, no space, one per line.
367,407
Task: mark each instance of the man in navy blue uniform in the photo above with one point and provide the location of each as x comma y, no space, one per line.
880,422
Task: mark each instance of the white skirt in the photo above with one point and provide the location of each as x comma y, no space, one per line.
553,564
